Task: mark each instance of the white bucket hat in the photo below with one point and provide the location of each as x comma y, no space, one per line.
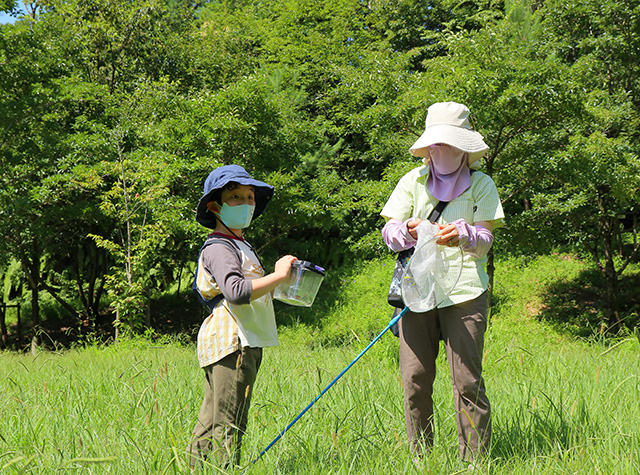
448,122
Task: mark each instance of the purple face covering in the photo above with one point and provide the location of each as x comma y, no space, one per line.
449,173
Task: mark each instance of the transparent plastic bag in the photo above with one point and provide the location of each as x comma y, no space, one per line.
433,271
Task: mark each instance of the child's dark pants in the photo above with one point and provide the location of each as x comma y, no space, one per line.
223,414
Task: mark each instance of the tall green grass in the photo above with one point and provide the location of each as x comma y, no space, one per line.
561,405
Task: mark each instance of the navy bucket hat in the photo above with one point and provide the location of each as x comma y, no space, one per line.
217,179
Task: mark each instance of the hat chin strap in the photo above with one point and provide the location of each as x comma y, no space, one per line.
219,219
229,229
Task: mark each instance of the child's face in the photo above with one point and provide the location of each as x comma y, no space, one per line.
240,195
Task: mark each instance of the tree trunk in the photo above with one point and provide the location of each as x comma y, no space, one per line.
31,268
54,293
147,313
101,255
75,266
35,314
491,272
490,261
89,274
611,287
3,327
607,233
613,314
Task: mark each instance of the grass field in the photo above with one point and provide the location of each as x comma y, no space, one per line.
561,405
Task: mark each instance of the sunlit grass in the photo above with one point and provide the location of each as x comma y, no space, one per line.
560,405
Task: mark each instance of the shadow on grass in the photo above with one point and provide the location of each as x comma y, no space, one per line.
542,429
171,315
578,306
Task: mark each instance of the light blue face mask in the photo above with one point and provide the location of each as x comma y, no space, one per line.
236,217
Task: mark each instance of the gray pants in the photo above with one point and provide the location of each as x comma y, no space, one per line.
462,329
225,408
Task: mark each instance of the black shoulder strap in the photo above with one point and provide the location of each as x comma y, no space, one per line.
211,304
437,211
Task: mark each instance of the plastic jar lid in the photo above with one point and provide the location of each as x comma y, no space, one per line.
309,266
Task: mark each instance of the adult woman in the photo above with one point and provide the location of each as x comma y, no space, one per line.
450,149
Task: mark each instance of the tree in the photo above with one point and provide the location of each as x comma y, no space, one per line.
127,202
60,77
8,5
600,43
27,148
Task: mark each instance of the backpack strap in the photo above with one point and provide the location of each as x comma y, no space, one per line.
212,303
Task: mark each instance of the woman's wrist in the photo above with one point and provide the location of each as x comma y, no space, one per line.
475,240
396,235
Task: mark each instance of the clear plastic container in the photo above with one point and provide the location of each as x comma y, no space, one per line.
301,287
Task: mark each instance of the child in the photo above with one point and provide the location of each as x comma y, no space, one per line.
230,279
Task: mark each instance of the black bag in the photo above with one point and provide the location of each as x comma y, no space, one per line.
395,291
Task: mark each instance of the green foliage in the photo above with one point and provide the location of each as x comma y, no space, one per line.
9,6
321,99
10,281
361,310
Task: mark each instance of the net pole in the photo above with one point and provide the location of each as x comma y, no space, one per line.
393,321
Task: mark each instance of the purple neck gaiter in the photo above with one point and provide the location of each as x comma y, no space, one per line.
445,182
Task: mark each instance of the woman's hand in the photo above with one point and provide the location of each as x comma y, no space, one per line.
448,235
411,227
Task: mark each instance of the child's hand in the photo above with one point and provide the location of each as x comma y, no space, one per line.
283,265
262,285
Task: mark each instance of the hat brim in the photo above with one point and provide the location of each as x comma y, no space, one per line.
467,140
263,194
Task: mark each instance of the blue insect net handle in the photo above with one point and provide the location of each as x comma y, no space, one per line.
393,321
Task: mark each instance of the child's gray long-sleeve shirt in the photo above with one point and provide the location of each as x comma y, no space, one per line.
238,321
224,265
